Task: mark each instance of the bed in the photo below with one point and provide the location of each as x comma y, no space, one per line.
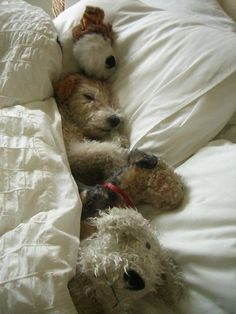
176,84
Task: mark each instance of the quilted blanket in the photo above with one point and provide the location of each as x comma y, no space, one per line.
39,203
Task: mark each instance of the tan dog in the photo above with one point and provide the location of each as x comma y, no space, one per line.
91,127
145,179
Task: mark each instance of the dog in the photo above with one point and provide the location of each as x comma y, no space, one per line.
88,46
92,127
121,263
145,179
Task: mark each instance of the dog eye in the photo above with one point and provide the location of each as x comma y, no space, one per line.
148,245
88,97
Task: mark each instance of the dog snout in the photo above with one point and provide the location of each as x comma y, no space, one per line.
113,120
110,62
143,160
134,280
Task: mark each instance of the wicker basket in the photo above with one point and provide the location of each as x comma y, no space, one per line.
57,7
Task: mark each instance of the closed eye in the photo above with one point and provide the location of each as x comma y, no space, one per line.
88,97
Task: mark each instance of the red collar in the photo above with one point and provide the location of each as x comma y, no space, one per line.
116,189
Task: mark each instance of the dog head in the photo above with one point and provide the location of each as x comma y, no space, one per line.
124,261
95,198
148,179
89,104
92,48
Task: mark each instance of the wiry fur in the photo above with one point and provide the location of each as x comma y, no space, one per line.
146,179
90,121
121,263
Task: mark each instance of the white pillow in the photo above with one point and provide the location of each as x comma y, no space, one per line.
202,233
29,53
230,7
176,77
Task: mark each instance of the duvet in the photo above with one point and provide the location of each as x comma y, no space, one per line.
39,204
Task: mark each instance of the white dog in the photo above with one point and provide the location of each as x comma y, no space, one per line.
121,263
87,47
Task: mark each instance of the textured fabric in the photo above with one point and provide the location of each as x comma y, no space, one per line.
39,203
202,232
28,53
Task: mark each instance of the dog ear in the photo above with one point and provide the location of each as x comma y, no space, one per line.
92,22
77,32
65,87
143,160
92,16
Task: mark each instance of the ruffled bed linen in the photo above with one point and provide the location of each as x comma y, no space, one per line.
40,207
39,203
202,233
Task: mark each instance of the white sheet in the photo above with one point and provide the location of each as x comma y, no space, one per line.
202,232
39,202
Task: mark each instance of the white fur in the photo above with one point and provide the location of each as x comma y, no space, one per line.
87,55
124,241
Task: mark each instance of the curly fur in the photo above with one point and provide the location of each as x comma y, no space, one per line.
158,186
90,122
112,263
146,179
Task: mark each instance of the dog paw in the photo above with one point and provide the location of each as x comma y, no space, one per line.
121,140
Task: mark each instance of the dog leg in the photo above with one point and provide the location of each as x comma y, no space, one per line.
92,162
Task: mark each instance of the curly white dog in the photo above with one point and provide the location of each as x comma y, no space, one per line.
121,263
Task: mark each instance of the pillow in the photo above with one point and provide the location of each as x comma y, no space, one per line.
177,65
29,53
45,5
202,233
230,7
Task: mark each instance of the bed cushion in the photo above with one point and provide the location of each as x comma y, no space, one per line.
202,233
28,53
176,77
230,7
39,202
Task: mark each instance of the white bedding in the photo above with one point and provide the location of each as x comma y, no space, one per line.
40,207
39,203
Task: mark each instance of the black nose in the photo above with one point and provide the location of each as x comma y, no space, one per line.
110,62
134,280
148,162
113,120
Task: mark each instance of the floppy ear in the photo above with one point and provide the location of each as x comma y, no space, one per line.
142,159
63,89
92,16
92,22
77,32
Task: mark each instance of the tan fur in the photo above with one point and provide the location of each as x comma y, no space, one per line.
146,179
159,187
92,21
86,106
